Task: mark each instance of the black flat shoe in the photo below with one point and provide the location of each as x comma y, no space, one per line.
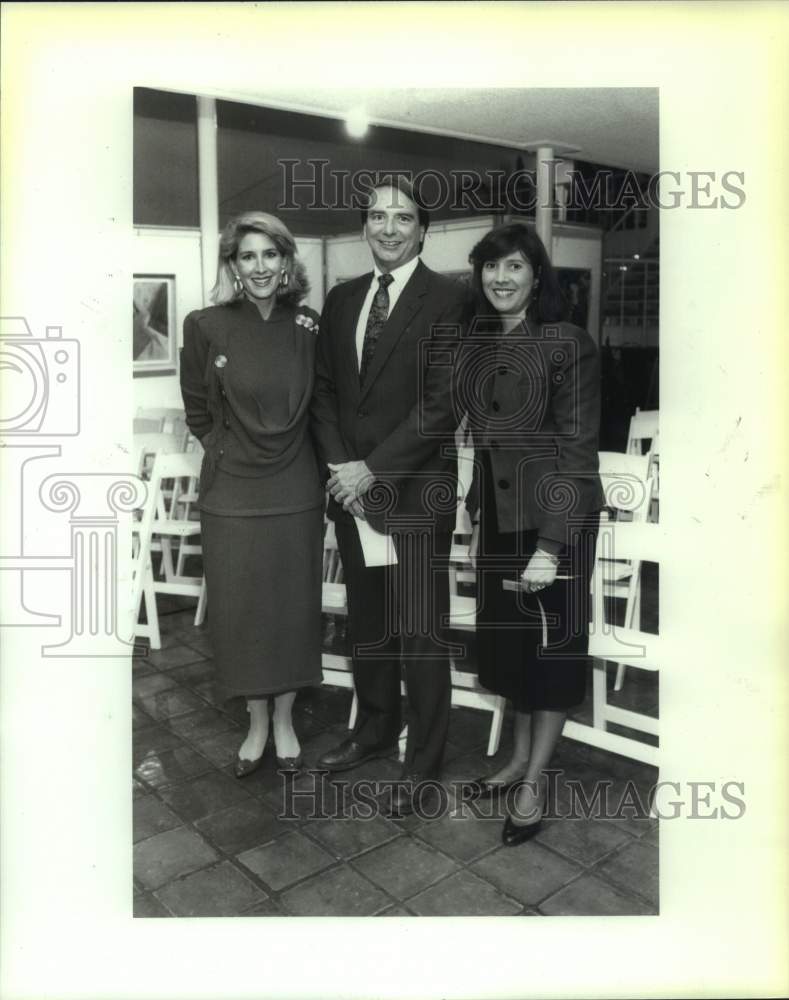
290,765
513,835
246,767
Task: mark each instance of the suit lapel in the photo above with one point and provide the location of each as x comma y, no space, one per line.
407,306
349,318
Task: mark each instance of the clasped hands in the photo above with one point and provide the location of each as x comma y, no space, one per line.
348,484
541,571
539,574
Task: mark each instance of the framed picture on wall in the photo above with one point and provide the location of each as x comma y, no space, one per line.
154,334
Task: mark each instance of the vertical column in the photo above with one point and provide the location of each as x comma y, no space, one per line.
94,501
208,191
543,219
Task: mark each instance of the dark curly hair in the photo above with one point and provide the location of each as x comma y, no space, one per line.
548,304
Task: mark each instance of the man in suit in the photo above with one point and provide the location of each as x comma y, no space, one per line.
384,426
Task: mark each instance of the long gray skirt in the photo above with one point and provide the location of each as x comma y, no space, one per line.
263,579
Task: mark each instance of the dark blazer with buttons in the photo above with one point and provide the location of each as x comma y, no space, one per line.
533,402
240,437
401,422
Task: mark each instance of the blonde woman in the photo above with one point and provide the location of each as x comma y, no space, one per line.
246,379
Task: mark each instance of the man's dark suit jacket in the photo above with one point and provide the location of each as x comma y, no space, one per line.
401,421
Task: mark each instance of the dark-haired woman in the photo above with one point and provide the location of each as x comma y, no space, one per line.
246,379
529,383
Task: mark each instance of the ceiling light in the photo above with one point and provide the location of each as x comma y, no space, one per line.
357,123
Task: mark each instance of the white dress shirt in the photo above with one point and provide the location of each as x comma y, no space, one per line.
400,277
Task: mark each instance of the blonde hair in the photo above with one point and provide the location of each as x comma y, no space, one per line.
267,225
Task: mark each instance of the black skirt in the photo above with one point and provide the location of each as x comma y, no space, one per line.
514,659
263,578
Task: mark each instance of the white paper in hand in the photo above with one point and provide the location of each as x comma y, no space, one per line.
378,549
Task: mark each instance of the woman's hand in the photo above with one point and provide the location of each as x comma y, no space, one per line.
541,571
473,547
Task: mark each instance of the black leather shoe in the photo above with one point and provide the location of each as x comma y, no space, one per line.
246,767
351,754
513,835
290,765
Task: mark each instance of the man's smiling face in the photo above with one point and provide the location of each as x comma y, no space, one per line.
392,228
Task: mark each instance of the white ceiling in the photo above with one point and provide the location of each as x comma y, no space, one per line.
609,125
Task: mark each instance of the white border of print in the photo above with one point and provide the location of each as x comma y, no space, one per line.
67,76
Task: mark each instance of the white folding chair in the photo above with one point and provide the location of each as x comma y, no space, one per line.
148,444
626,484
628,490
654,473
337,669
636,542
186,502
643,427
171,419
144,425
142,573
642,439
146,447
183,469
462,609
160,521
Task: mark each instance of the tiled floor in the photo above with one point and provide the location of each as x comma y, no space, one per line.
207,844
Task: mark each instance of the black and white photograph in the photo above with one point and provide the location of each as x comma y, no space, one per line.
274,770
426,565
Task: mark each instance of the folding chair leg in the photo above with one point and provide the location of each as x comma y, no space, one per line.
632,617
401,744
636,623
202,600
354,711
599,695
154,636
180,562
496,723
167,560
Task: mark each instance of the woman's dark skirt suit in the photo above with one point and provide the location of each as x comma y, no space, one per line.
246,384
533,404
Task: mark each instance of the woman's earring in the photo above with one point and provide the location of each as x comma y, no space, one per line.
238,285
284,279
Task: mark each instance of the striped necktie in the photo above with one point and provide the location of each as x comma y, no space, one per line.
379,313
